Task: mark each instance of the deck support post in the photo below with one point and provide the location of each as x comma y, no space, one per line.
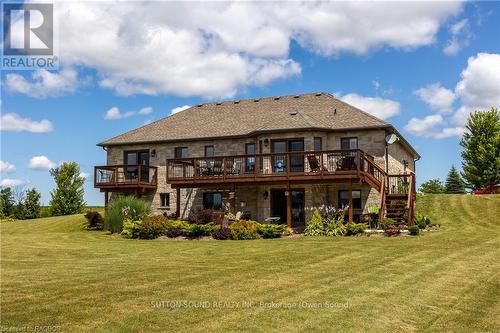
232,195
288,194
106,200
177,202
351,215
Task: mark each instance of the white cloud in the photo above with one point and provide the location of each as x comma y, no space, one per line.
114,113
215,49
479,87
432,127
379,107
477,90
15,123
179,109
146,110
6,167
41,163
460,37
84,175
9,182
424,127
449,132
43,83
437,97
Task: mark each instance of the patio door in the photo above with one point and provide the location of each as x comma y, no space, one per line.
280,161
278,206
133,158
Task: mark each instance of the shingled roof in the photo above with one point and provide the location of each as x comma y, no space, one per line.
247,117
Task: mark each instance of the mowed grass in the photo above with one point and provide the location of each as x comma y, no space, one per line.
53,273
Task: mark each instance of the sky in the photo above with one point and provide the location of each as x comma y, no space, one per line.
420,66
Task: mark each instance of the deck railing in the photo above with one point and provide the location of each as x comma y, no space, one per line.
127,175
398,184
278,165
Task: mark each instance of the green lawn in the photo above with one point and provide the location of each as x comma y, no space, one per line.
55,274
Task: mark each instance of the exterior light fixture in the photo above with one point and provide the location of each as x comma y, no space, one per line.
153,153
266,195
266,142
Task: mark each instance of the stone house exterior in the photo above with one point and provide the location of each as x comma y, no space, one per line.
270,157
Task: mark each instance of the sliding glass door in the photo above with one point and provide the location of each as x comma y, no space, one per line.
280,161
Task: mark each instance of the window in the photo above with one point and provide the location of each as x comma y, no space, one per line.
132,158
212,200
349,143
344,198
280,161
318,144
181,152
209,151
250,161
164,199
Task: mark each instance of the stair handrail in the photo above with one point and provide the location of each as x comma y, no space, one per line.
409,202
382,198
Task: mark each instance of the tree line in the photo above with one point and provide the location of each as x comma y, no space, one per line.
480,157
66,198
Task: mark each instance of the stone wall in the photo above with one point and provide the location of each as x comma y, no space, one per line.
370,141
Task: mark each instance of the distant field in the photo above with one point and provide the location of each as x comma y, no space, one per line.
55,274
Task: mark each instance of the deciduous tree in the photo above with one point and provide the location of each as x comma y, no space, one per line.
432,186
67,198
32,204
481,154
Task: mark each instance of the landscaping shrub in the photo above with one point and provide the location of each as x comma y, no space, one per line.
222,233
414,230
393,231
271,230
198,230
422,221
153,227
335,226
201,216
131,228
353,229
387,223
315,226
173,232
125,207
95,220
244,230
288,231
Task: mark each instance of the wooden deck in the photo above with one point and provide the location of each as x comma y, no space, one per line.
291,167
134,178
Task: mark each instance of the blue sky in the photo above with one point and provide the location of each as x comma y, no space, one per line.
423,68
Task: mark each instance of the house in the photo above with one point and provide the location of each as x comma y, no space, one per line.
269,157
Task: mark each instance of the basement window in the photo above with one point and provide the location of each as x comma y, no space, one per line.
164,200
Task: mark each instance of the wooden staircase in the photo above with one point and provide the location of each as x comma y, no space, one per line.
397,192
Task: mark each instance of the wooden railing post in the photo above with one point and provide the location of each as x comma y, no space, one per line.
114,177
321,165
167,163
382,198
358,162
224,167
